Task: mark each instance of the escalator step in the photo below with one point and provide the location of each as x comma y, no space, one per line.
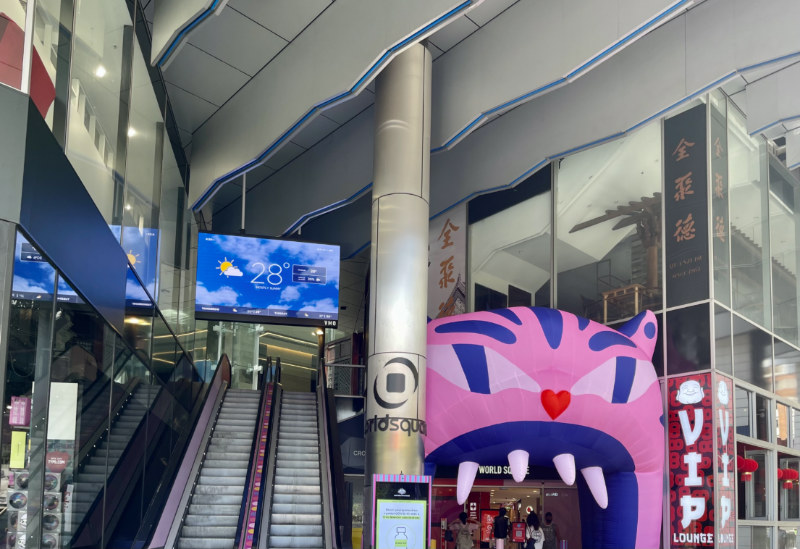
304,454
226,463
224,433
205,520
296,499
297,436
295,530
297,463
220,481
297,481
208,499
210,532
215,510
295,473
227,455
305,489
224,472
219,489
287,541
204,543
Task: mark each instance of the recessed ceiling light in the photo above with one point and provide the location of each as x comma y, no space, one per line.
131,132
100,71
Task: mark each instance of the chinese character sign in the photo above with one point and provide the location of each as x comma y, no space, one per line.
725,517
685,207
719,204
691,463
447,264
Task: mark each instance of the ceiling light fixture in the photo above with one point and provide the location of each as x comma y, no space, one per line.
131,132
100,71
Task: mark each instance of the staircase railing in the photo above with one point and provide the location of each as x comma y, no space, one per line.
271,461
252,500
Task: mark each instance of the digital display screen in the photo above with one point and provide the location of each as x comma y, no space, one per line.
277,281
34,276
402,512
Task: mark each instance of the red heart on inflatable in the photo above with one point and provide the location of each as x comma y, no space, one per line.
555,404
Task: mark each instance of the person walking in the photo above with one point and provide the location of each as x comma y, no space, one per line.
534,536
462,531
501,527
551,535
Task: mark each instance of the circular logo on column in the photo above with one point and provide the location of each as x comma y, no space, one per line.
396,382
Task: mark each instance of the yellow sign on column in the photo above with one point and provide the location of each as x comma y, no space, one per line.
19,439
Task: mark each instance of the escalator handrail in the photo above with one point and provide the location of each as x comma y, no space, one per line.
165,533
255,474
271,460
338,499
330,538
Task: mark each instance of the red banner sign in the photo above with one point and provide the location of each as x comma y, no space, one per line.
726,463
487,523
691,461
518,532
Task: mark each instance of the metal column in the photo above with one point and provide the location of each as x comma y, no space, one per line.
395,408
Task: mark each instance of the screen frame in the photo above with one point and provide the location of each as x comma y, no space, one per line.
264,319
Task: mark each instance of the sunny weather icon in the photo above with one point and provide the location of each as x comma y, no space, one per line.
227,268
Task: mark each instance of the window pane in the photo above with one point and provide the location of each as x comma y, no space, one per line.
787,537
609,218
510,251
752,354
788,494
719,199
763,416
753,486
795,415
12,38
749,217
782,424
688,339
743,415
99,96
787,370
722,344
755,537
783,242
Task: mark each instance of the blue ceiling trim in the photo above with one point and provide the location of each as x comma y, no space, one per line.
177,40
781,121
361,81
358,251
582,68
793,166
325,209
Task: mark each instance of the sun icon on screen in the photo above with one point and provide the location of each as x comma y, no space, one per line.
227,268
132,257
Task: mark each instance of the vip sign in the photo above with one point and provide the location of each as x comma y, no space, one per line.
725,460
691,453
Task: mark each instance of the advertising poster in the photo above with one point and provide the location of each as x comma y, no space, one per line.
447,264
487,523
285,281
686,207
691,461
724,485
402,511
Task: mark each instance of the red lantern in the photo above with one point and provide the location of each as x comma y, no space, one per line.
790,476
747,467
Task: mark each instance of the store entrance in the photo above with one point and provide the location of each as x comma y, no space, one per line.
519,499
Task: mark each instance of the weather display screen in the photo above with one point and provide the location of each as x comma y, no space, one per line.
278,281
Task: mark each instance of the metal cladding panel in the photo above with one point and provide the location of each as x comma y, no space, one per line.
63,221
711,43
530,46
170,19
793,148
14,114
321,63
773,98
763,30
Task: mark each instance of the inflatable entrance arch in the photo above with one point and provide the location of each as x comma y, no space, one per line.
541,387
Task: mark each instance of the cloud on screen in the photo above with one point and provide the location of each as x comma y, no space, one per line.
221,296
24,285
326,305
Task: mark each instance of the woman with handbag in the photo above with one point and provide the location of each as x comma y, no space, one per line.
534,536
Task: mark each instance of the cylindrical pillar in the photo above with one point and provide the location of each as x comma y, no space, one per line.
395,409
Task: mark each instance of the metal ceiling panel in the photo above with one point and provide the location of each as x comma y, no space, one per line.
257,175
170,20
793,148
321,64
238,41
285,18
773,99
346,110
314,131
488,10
190,110
201,74
288,152
453,33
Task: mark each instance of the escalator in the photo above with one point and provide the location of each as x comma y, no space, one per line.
257,474
215,505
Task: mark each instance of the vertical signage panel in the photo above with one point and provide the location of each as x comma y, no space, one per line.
719,206
724,485
686,207
691,462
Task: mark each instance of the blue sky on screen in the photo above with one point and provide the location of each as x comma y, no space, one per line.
250,272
